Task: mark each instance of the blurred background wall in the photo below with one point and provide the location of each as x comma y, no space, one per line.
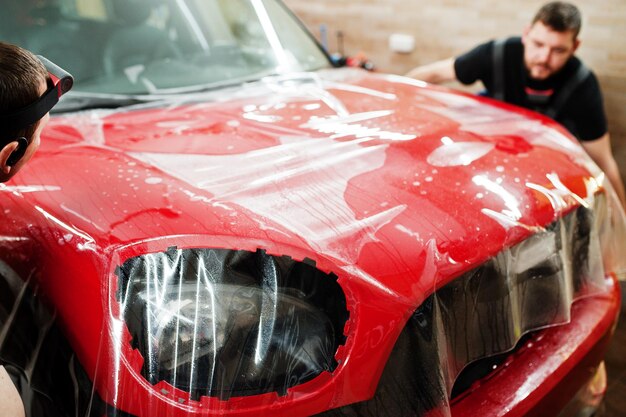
444,28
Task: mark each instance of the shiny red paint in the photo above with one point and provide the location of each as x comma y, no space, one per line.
335,169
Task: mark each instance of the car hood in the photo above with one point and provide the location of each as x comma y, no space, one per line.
381,176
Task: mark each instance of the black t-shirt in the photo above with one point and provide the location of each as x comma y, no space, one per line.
583,112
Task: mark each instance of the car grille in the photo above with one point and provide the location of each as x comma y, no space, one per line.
464,329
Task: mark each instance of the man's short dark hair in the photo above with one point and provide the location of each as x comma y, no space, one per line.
21,76
560,16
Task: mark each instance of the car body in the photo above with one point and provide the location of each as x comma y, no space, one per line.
265,234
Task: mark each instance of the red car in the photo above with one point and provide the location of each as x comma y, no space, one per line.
219,222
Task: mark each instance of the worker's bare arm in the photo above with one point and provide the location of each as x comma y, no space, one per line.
435,73
600,151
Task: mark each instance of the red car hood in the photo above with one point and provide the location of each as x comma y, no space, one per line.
378,176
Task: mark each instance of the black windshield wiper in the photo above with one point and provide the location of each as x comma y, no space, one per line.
86,101
81,100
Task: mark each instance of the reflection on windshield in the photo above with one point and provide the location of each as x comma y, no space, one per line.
162,46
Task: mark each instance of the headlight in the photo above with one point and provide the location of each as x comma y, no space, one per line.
231,323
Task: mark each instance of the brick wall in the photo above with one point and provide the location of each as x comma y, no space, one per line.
444,28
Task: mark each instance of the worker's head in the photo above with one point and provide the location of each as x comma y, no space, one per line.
551,39
23,81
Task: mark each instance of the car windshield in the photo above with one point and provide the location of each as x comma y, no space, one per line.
143,47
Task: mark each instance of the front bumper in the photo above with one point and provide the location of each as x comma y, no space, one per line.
542,377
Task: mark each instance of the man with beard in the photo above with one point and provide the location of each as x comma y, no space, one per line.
540,72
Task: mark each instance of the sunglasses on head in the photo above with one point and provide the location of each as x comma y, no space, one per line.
60,83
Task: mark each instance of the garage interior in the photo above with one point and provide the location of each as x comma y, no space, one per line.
152,223
450,27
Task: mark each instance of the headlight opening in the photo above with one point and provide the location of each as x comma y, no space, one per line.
228,323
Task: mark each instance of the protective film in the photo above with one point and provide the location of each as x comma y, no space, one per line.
334,243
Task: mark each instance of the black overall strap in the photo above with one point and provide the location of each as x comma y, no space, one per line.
564,93
498,69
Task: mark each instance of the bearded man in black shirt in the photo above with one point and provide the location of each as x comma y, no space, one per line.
540,72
